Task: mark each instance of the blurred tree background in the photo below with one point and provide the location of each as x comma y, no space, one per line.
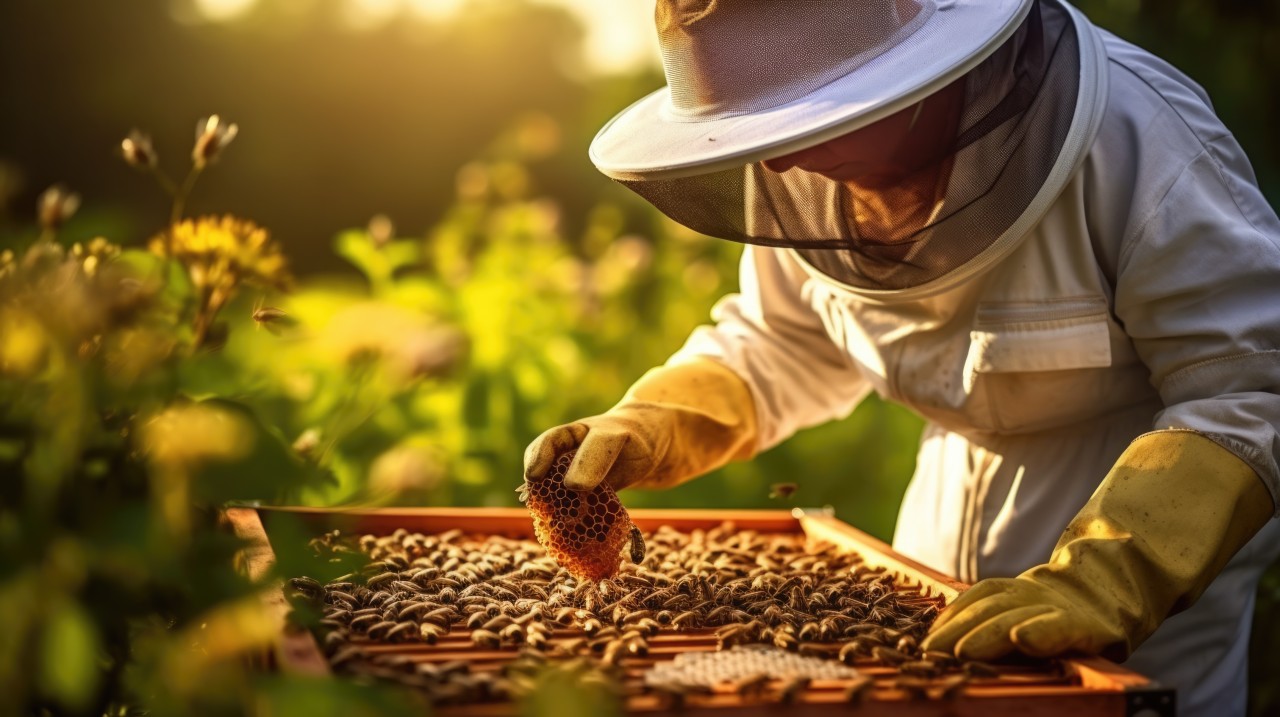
504,287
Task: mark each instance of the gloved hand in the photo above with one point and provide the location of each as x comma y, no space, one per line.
1164,522
675,423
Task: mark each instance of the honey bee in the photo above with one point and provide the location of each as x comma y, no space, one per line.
850,652
716,613
907,644
334,639
730,635
536,640
637,545
786,642
564,615
613,653
442,616
401,630
572,646
649,626
683,618
513,633
446,582
497,622
429,633
637,646
377,630
381,578
888,655
782,491
486,638
344,599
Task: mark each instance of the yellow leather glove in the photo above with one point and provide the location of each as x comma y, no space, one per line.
675,423
1164,522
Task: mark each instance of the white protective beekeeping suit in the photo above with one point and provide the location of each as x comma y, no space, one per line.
1034,372
1066,266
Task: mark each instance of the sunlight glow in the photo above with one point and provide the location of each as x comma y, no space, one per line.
219,10
366,14
620,34
436,10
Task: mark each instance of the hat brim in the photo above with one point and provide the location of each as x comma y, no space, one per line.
645,141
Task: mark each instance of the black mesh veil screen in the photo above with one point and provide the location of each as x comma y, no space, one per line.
1017,109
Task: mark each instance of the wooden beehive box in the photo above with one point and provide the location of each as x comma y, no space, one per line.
1079,686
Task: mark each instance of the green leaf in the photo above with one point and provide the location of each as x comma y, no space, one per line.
143,263
377,263
69,650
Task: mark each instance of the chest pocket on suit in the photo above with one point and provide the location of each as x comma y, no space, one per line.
1030,360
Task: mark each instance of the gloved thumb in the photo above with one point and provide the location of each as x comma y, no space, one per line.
596,455
543,451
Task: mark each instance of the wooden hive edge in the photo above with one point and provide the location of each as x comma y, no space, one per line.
295,651
298,652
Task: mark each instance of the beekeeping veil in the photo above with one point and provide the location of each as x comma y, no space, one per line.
751,80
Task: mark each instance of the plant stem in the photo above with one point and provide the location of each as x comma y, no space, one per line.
165,182
180,197
175,214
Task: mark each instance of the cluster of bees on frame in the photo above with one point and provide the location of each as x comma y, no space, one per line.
480,594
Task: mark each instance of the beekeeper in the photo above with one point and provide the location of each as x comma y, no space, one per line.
1034,234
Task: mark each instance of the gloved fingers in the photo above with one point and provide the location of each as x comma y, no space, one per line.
964,620
993,639
597,453
1055,633
543,451
982,590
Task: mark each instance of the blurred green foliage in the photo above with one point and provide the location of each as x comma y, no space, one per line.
143,388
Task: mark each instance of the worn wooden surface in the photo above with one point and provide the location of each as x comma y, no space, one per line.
296,651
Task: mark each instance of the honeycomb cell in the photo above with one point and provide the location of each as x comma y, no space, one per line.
585,533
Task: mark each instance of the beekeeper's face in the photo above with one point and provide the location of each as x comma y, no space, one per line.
886,151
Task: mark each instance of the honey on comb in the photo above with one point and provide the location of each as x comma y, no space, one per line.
585,531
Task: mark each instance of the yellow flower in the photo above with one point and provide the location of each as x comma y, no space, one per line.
221,252
94,255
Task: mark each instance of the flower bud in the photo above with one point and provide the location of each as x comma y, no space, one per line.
56,205
138,151
212,136
381,230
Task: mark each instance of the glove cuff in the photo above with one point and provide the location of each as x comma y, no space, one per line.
1160,527
708,419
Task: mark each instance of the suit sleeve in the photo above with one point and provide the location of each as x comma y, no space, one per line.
771,335
1198,291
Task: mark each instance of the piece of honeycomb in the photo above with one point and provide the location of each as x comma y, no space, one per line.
585,531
